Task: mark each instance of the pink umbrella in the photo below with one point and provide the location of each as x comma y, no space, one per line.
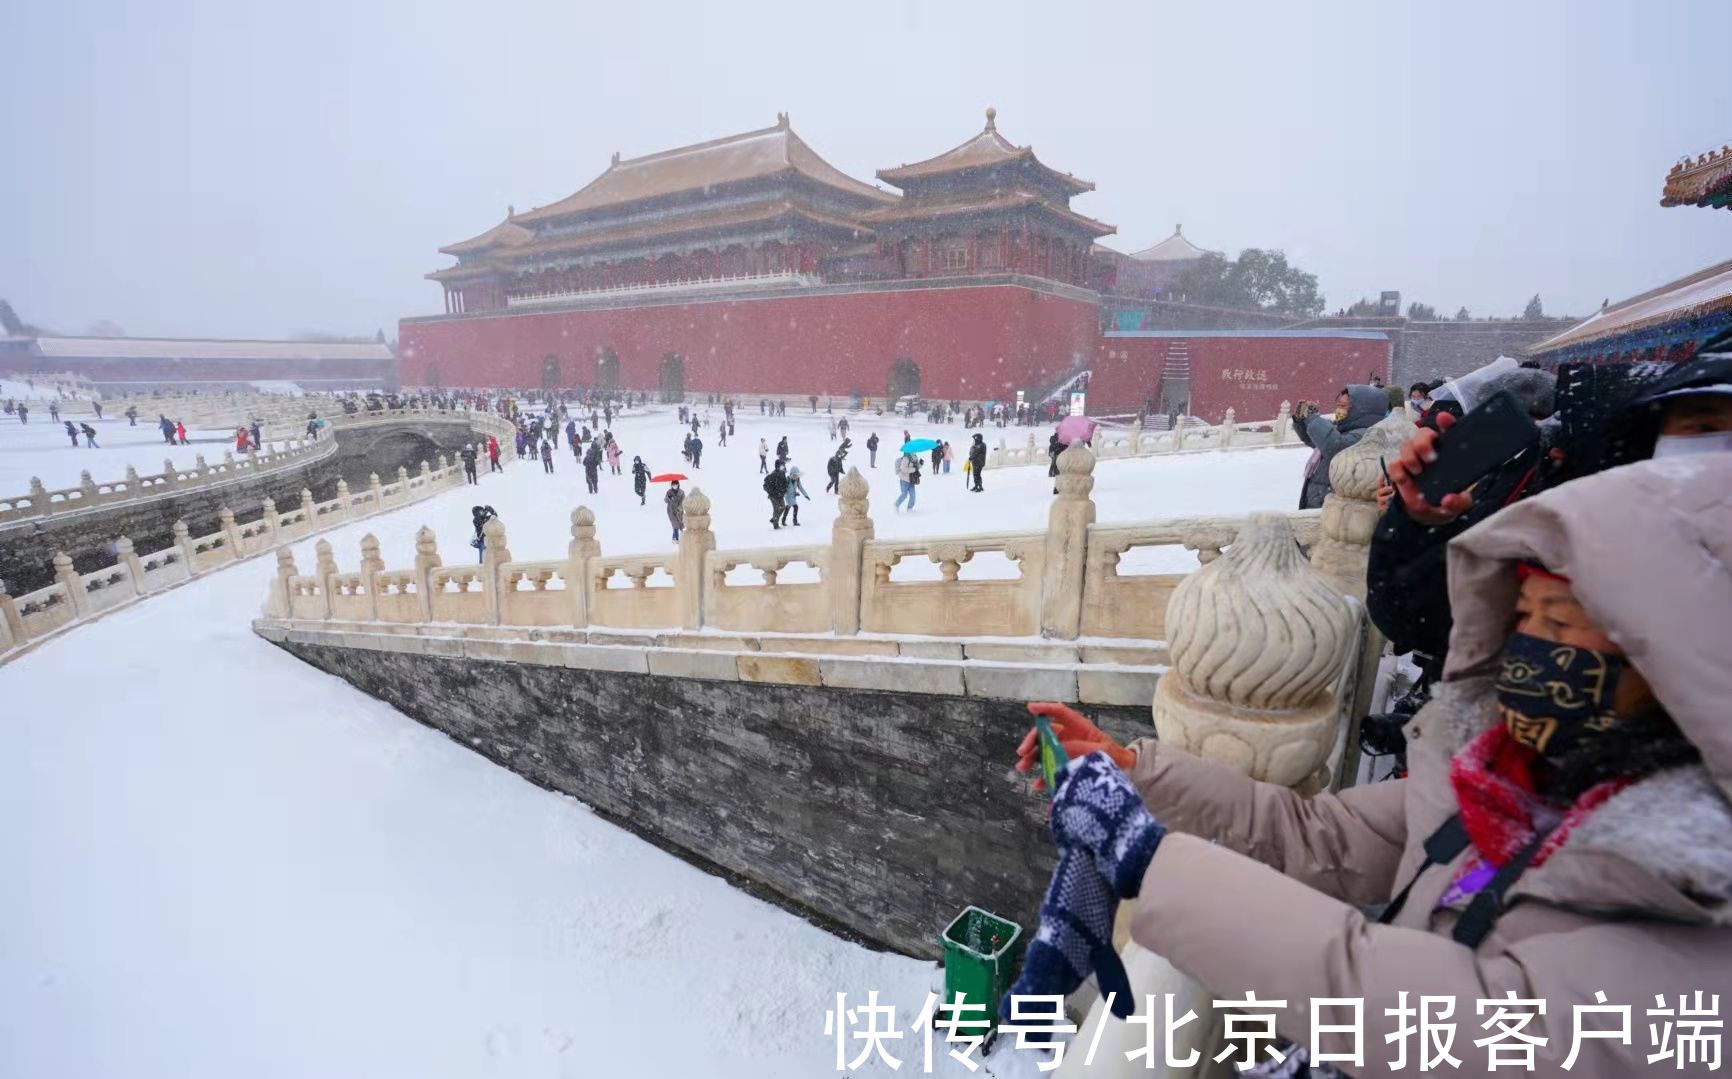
1076,429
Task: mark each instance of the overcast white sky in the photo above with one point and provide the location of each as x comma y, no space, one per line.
234,167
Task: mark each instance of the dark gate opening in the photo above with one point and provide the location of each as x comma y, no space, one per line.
607,371
904,379
673,378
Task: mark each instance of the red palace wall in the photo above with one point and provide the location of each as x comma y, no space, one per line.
973,343
1251,372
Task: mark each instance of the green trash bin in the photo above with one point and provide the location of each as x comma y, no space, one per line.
981,951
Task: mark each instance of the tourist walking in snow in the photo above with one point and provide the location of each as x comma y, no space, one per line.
23,412
977,459
872,449
72,433
547,457
763,457
697,451
795,492
832,430
834,468
468,455
257,431
640,479
180,432
493,464
613,454
132,416
949,455
776,487
675,500
908,476
592,468
54,411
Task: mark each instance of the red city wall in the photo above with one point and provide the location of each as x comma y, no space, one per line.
1250,373
970,343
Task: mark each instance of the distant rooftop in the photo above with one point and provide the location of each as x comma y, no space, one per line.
121,348
1705,292
1174,248
985,150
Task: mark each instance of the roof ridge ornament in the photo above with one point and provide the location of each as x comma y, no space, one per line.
781,121
991,119
616,157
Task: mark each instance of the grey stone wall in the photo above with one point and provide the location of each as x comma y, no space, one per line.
884,813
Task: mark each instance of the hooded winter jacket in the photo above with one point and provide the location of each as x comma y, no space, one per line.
1257,888
1366,405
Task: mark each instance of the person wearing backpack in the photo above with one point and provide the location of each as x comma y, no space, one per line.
776,487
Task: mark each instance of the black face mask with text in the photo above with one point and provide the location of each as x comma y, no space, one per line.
1556,696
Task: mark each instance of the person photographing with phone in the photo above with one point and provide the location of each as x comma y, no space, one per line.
1565,829
1442,484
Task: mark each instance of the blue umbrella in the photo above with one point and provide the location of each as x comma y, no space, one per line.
919,445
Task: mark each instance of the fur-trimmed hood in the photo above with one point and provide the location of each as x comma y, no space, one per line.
1675,825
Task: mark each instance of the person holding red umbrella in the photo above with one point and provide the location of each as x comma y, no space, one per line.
676,504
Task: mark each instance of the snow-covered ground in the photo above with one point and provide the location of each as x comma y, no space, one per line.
220,862
41,448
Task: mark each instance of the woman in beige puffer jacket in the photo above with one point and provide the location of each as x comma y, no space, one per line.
1626,842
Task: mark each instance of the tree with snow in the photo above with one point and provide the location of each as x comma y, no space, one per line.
1533,309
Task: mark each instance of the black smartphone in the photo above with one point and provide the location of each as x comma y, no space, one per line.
1478,442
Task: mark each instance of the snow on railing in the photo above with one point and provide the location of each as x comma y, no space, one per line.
75,597
1135,440
43,501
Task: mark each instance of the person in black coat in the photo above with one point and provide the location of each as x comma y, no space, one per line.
776,487
834,468
640,479
872,449
468,455
977,460
592,468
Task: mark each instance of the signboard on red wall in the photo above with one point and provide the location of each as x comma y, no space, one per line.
1249,371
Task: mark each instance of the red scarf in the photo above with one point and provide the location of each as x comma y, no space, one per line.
1494,787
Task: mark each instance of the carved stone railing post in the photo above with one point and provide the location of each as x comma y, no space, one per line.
850,533
183,540
371,566
696,541
325,569
39,497
1350,509
282,594
402,481
1067,537
132,482
203,469
126,556
1179,435
170,475
582,550
1283,423
426,561
1136,436
345,507
1257,640
231,533
1226,430
11,622
309,508
377,489
272,519
68,577
494,555
1343,552
86,488
998,454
